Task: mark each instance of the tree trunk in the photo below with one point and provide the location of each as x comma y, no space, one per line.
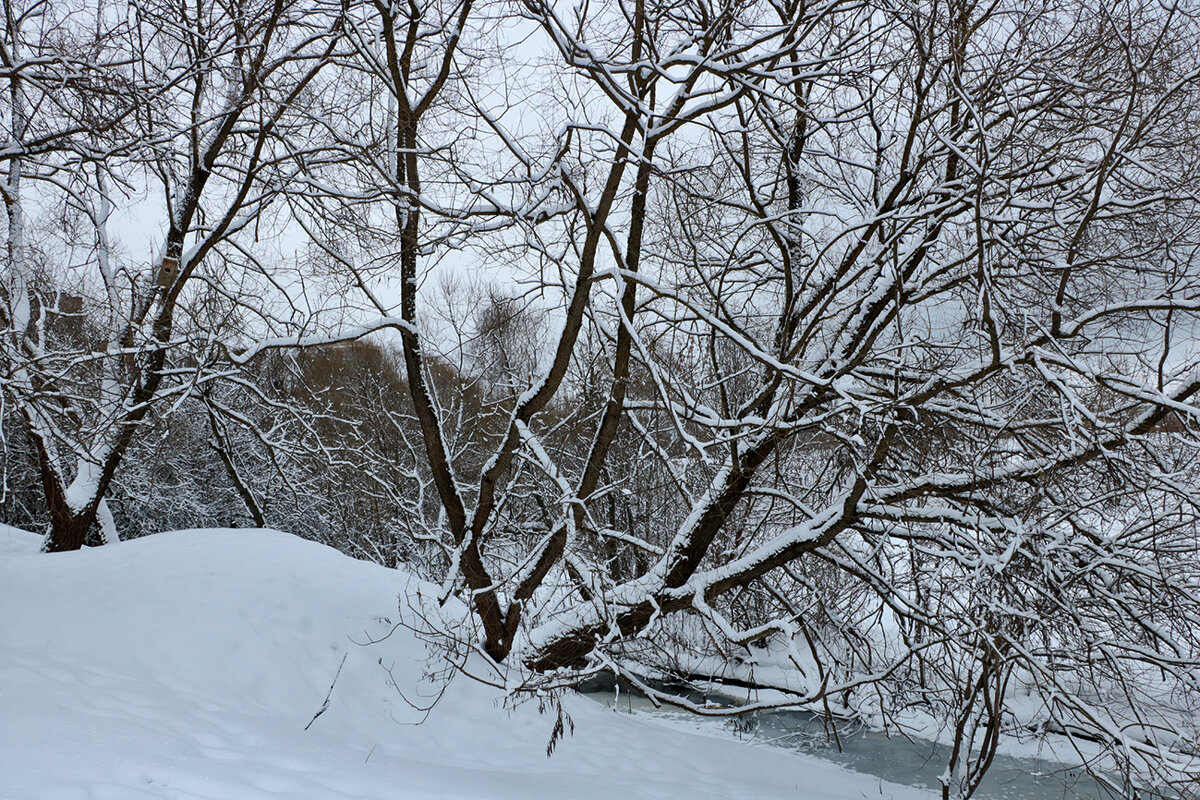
68,530
68,527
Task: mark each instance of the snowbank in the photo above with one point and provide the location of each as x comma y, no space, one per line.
14,540
187,665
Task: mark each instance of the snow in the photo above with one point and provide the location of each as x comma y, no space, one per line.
187,665
83,489
14,540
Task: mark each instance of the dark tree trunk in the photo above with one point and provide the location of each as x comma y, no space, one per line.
68,530
68,527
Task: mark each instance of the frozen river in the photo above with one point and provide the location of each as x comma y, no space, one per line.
914,762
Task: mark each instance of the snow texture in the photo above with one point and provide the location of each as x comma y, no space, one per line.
187,665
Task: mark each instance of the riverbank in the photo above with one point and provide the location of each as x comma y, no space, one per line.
196,664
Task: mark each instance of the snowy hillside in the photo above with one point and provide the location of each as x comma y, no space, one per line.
187,665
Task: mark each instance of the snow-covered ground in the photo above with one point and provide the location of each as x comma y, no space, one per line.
187,665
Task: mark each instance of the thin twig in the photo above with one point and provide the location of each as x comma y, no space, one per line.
325,705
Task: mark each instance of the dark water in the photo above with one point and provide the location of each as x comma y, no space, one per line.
913,762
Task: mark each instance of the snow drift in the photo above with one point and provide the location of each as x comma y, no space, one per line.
187,665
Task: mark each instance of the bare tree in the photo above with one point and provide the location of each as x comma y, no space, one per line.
866,342
186,113
897,301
